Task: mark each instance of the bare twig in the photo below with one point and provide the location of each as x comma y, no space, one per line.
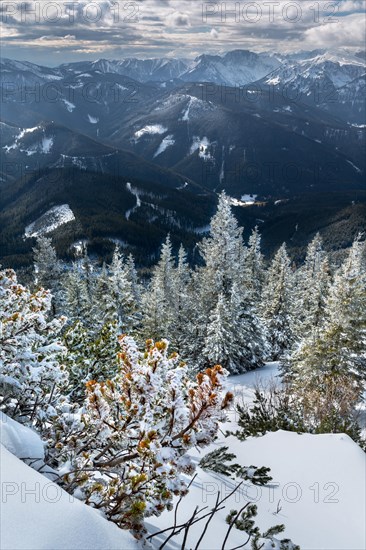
232,525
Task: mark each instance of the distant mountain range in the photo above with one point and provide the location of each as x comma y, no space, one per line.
325,78
274,126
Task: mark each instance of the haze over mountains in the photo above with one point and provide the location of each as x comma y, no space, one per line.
274,126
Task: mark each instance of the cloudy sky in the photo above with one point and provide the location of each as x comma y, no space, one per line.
53,32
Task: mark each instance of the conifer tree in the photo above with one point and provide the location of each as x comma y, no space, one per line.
228,295
220,345
223,251
329,368
277,304
104,303
313,280
124,291
77,301
253,272
133,279
250,336
47,270
158,300
181,303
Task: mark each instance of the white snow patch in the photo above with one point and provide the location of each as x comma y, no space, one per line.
37,514
355,167
46,144
248,199
202,145
274,80
150,129
168,141
93,119
185,184
50,220
69,106
134,192
20,440
21,134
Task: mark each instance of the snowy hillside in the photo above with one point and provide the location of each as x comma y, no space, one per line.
312,486
36,514
50,220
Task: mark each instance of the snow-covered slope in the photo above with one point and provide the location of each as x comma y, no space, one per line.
318,489
334,80
236,68
50,220
140,69
36,514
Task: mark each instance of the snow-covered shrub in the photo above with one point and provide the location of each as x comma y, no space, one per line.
126,452
30,347
274,408
243,520
89,356
220,462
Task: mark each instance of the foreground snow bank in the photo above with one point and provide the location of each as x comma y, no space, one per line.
20,440
36,513
320,487
318,490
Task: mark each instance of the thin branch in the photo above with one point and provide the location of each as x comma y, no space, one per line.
214,510
188,526
232,525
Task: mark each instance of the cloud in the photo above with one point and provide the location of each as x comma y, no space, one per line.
178,19
348,31
161,27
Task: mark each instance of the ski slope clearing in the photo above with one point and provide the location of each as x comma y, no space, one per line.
50,220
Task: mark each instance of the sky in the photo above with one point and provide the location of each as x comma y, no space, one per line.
53,32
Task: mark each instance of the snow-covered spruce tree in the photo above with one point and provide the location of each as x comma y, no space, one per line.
225,295
220,345
105,305
78,304
223,253
126,452
277,304
47,270
313,280
248,329
158,299
328,370
30,346
125,291
254,273
181,304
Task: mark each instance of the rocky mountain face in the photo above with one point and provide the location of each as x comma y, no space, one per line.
275,127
